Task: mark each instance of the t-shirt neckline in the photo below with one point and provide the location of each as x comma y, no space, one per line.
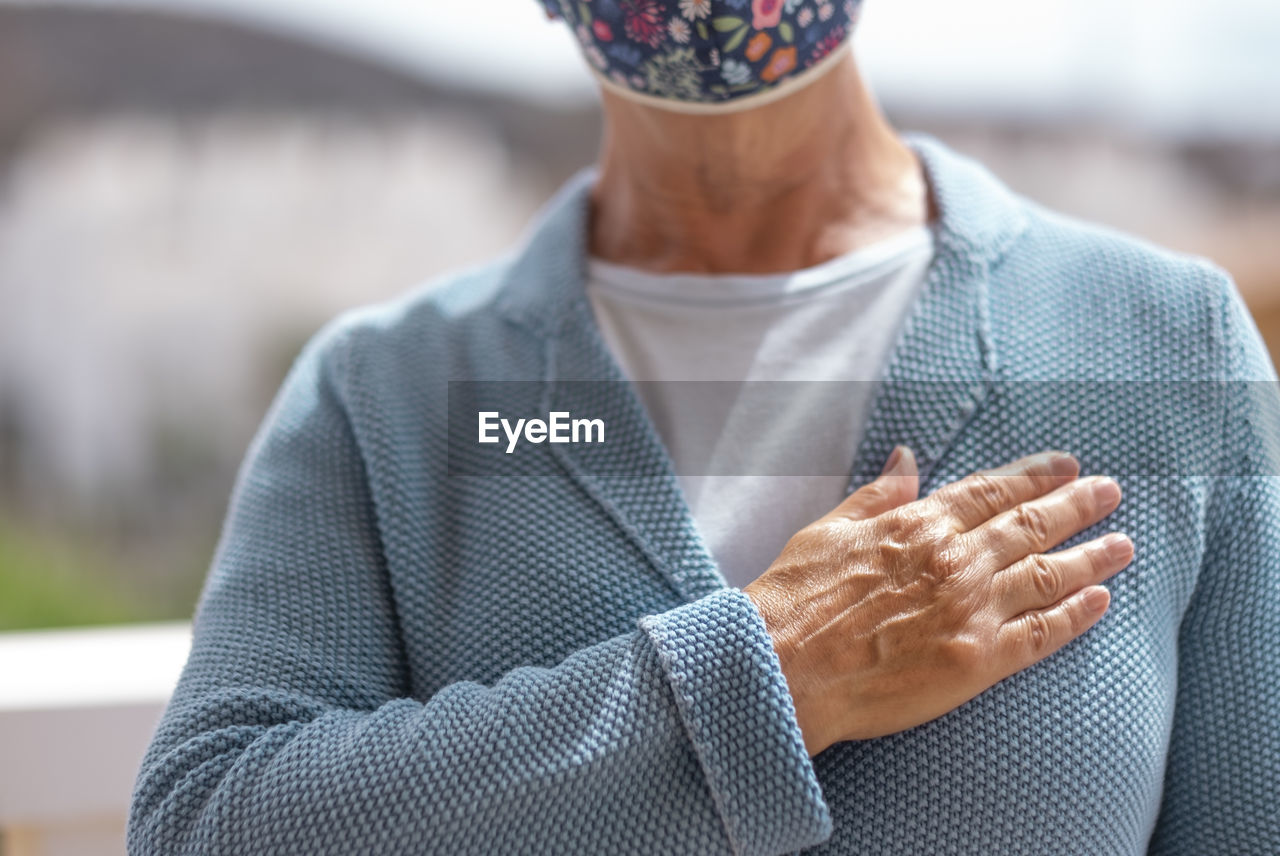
861,264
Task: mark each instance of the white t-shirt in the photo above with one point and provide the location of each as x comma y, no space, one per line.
758,461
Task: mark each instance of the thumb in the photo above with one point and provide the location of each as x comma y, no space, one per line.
897,484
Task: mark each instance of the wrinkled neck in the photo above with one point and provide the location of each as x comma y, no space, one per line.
787,185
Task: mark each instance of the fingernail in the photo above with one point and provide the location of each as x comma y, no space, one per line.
1106,492
894,457
1118,546
1096,598
1064,465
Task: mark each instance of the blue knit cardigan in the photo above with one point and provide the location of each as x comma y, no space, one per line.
390,658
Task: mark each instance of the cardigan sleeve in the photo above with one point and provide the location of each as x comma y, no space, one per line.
292,730
1222,777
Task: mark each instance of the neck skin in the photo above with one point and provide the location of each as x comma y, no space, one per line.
784,186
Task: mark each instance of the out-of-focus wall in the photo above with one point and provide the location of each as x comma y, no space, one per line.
183,202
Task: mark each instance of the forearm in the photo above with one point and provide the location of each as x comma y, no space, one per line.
627,745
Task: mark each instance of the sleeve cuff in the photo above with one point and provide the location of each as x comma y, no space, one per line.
733,698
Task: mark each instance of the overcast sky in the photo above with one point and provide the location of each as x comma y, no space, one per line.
1206,67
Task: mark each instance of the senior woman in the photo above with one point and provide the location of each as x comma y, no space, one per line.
897,642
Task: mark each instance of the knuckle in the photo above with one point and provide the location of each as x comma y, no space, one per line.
1039,633
1096,556
947,495
963,654
891,554
911,524
988,491
947,561
1083,503
1078,618
1033,521
1045,577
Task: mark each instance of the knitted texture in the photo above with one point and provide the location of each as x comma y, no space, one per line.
390,659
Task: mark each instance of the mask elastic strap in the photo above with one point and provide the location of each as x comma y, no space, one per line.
734,105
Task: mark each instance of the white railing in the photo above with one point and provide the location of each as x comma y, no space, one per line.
77,709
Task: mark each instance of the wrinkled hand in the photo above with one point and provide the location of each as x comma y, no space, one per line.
890,610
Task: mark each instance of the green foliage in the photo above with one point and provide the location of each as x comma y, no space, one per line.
48,582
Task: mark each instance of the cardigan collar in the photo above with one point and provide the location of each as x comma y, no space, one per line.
938,374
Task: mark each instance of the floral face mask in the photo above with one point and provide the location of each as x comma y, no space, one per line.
708,55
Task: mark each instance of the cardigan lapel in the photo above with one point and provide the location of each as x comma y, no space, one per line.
937,376
942,368
631,475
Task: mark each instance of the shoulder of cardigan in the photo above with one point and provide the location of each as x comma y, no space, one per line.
543,282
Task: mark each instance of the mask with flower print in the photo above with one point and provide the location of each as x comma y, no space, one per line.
708,55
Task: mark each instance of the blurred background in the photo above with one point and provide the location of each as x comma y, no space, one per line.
190,188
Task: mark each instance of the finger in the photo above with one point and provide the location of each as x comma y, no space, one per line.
897,485
1043,523
977,498
1043,579
1034,635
